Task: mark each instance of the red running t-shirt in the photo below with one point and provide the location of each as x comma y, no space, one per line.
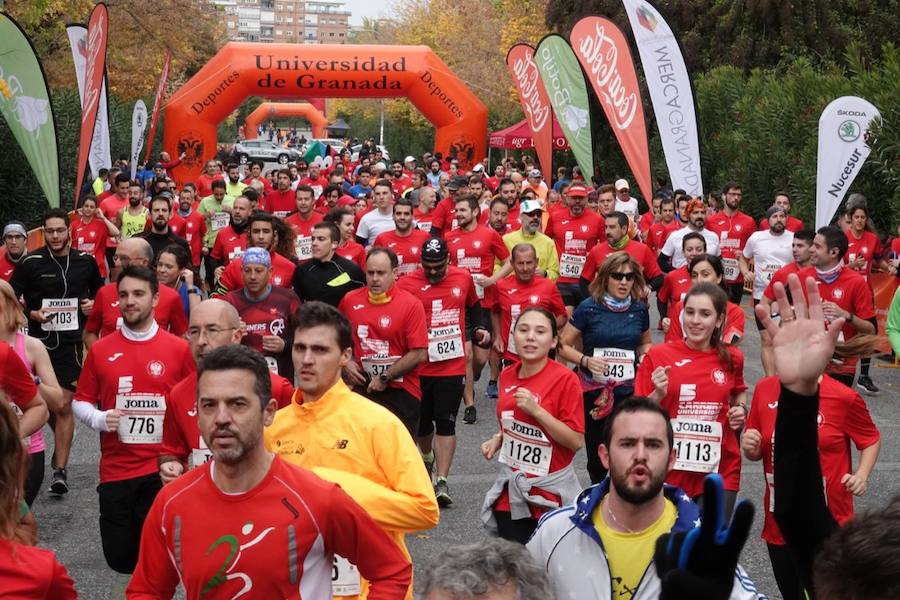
575,237
513,296
229,245
353,251
733,234
781,275
303,230
675,285
526,446
192,228
406,247
181,431
697,399
659,233
383,333
133,377
843,417
106,318
91,238
15,380
866,247
271,316
732,331
445,307
27,573
638,251
233,279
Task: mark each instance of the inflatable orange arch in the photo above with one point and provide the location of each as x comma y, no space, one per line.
269,110
288,71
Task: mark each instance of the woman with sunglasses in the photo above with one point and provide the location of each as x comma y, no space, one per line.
541,429
706,268
612,328
699,381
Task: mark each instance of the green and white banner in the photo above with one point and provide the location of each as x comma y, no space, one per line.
564,81
25,105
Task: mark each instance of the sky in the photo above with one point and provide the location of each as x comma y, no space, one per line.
367,8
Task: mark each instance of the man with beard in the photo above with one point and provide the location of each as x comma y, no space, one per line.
233,185
400,181
660,231
265,311
618,240
231,240
784,201
671,256
405,240
160,234
279,526
314,180
302,222
498,218
282,200
256,168
769,250
58,284
14,238
122,394
530,216
134,216
189,224
734,229
434,173
508,192
602,546
260,234
451,308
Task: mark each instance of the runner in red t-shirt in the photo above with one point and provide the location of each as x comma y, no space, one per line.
576,231
424,211
793,223
112,206
89,233
186,222
541,427
265,311
261,231
734,229
400,181
315,181
863,248
699,381
214,323
211,172
659,231
302,222
405,240
14,248
517,293
451,311
231,240
843,417
349,248
706,268
475,248
389,339
677,282
282,200
649,218
122,394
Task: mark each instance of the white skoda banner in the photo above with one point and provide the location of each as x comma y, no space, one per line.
670,92
99,155
138,124
843,132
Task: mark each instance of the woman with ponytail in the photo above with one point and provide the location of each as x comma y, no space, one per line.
699,381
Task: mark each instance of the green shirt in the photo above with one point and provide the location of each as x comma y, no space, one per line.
216,217
892,326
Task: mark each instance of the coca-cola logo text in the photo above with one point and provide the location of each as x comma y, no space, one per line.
96,33
600,56
527,79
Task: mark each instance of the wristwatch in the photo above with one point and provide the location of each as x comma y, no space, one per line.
194,290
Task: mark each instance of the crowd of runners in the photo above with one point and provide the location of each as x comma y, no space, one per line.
220,333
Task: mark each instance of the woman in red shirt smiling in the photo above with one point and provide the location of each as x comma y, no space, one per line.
699,381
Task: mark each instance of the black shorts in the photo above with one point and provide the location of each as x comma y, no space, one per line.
67,360
400,402
735,291
571,293
441,397
123,507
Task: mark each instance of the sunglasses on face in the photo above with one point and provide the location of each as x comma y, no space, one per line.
622,276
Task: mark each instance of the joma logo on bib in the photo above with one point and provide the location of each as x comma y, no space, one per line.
525,430
692,427
141,403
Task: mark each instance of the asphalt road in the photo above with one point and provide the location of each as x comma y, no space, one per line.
68,525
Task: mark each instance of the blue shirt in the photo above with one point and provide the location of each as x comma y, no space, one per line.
357,189
602,328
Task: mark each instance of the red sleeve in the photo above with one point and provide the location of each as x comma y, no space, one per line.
178,323
862,301
217,250
94,323
230,280
472,295
673,313
590,265
498,247
439,215
353,534
557,306
418,335
571,406
155,576
16,381
173,442
643,385
859,425
665,291
734,323
752,421
648,262
548,230
61,586
282,391
738,359
379,241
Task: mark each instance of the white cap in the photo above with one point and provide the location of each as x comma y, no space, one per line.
529,206
534,173
622,184
409,159
478,168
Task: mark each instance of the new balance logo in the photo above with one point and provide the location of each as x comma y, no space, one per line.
341,444
114,357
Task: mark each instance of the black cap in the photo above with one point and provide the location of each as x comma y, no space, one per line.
435,250
456,182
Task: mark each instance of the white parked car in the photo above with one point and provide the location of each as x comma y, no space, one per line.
265,151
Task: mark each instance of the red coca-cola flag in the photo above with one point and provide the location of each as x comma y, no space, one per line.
95,68
603,52
157,103
535,103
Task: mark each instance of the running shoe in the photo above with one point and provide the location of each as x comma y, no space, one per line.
429,463
58,483
469,415
865,383
492,391
442,493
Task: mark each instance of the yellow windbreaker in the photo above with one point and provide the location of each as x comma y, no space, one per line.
360,445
